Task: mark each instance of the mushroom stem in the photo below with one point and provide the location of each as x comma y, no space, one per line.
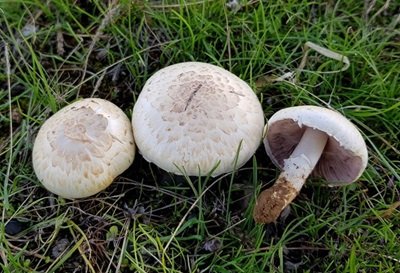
296,169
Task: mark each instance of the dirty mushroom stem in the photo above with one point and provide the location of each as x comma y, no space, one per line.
296,169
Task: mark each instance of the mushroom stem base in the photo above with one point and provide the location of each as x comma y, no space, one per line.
296,169
271,202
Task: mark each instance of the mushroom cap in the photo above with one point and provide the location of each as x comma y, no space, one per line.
345,155
81,149
191,116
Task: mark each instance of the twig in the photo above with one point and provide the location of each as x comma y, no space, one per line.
184,3
30,253
267,248
98,83
108,17
60,39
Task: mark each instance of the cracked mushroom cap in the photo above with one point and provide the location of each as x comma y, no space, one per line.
345,155
81,149
190,116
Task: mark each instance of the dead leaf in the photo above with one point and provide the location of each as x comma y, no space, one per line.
388,212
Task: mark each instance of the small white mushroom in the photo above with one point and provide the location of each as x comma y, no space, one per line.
82,148
309,139
191,117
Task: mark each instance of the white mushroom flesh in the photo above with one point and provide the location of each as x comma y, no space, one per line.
305,156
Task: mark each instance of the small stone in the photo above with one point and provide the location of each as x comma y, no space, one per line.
60,247
16,116
14,227
29,29
212,245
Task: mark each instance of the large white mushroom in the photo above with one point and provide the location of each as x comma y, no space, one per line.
306,140
191,117
81,149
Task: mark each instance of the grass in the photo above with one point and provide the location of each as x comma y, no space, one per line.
151,221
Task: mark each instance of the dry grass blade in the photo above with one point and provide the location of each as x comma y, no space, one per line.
60,41
325,52
11,142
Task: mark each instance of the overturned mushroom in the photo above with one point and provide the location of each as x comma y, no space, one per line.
81,149
309,139
191,117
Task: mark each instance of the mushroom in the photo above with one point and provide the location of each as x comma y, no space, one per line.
195,119
81,149
306,140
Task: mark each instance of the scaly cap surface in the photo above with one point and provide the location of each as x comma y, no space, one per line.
190,116
81,149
